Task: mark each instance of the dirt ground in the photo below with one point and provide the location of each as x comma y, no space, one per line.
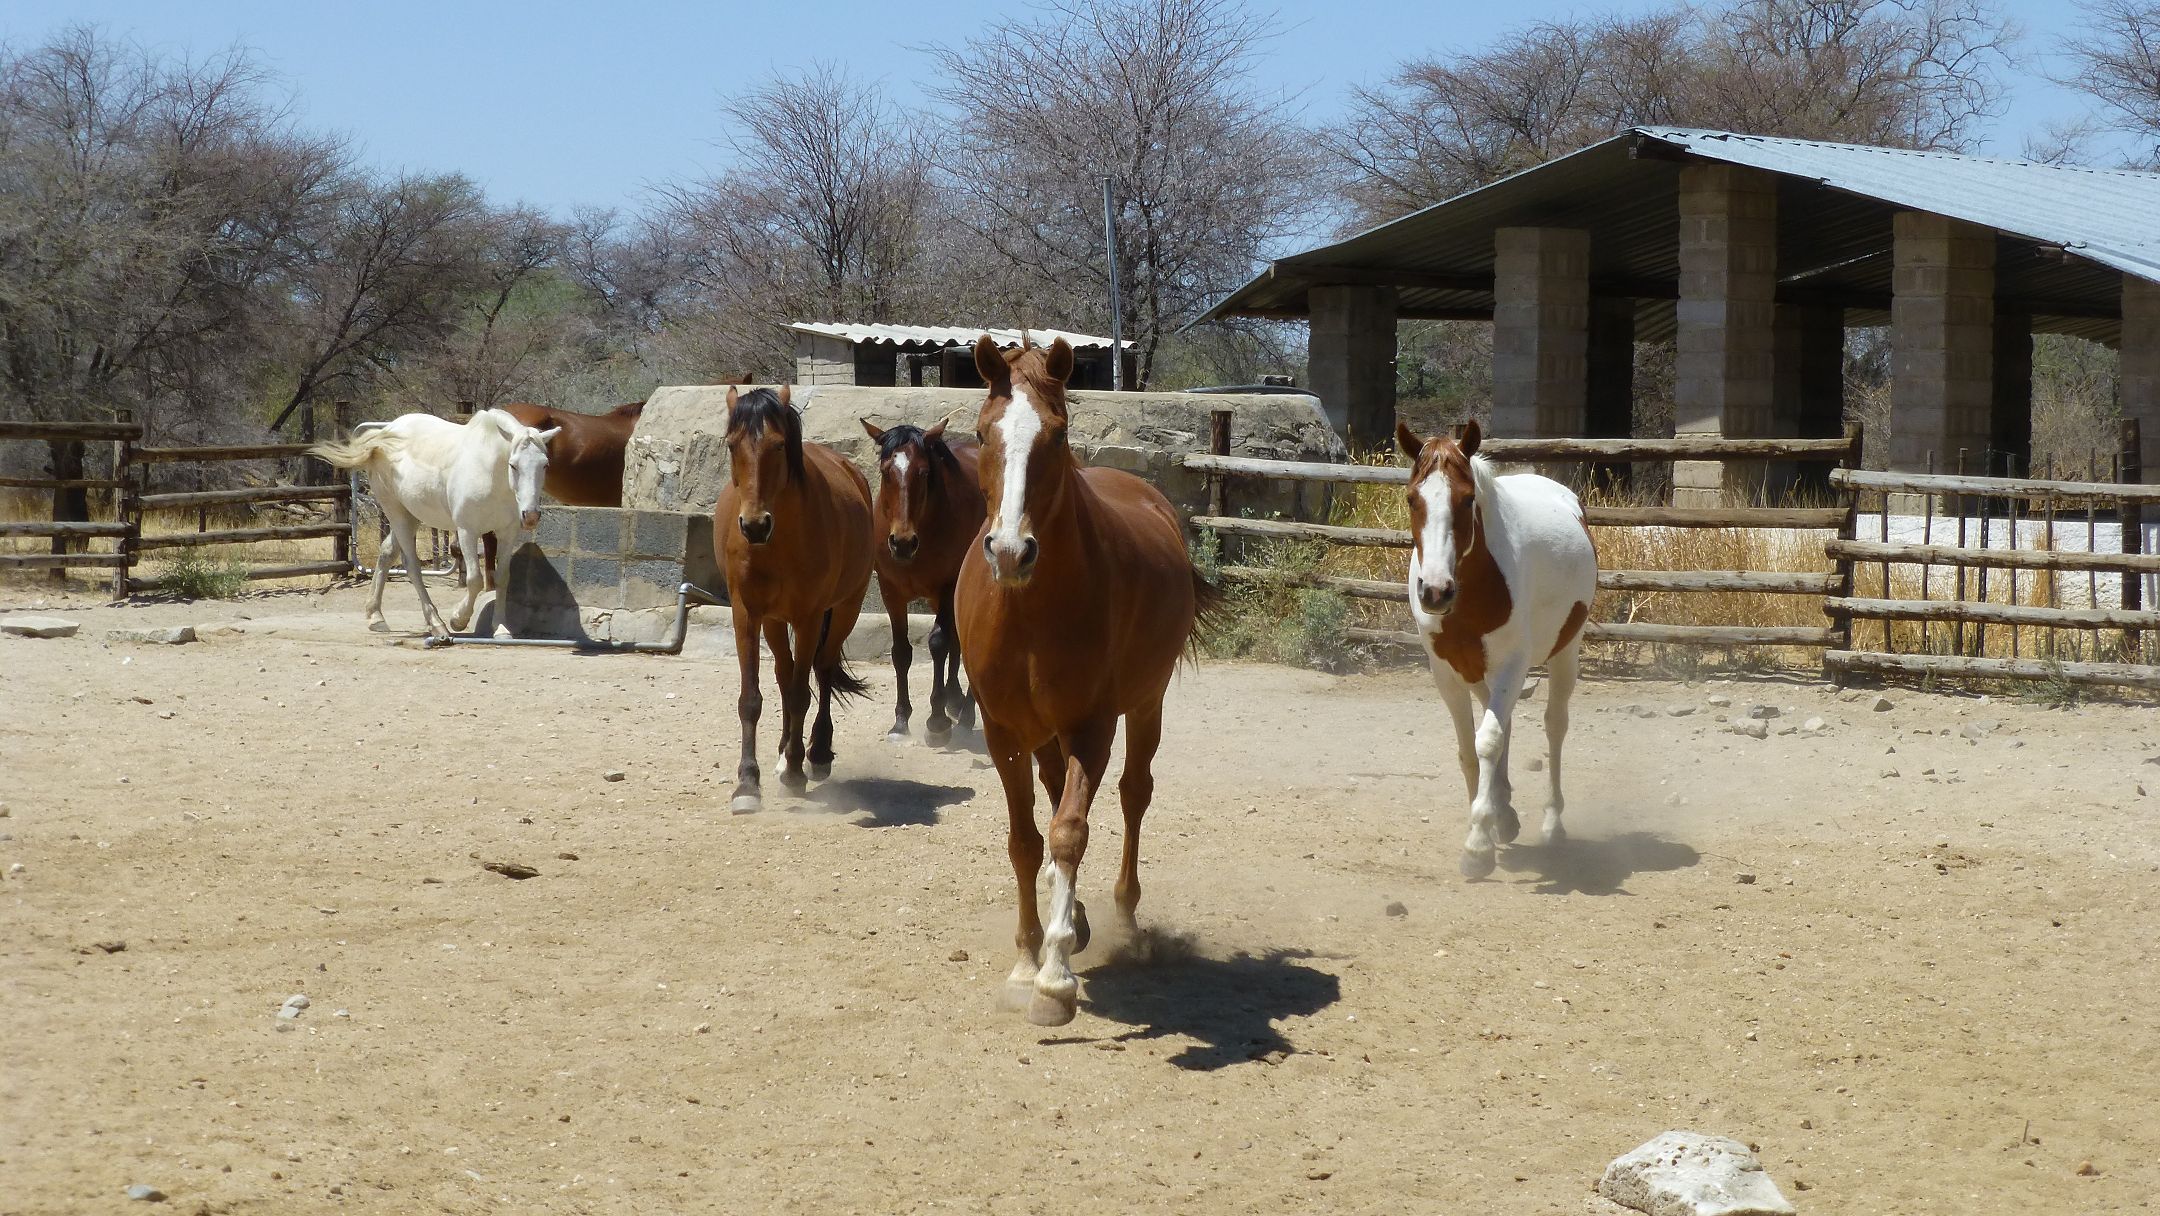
1930,992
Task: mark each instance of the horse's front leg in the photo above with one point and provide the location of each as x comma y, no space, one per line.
903,655
1024,845
469,552
499,570
943,681
791,671
1057,990
1455,694
748,795
1491,817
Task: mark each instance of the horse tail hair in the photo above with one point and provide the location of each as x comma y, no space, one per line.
1211,615
358,451
842,684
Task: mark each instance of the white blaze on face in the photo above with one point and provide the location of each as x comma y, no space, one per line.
899,466
1434,561
1017,429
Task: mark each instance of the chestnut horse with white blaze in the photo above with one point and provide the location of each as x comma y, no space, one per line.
1073,613
792,531
929,508
1502,571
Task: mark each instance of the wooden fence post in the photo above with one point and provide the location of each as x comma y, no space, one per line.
1219,483
346,510
1848,531
2131,472
124,509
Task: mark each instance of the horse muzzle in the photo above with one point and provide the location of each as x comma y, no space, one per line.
758,530
903,548
1435,599
531,520
1012,563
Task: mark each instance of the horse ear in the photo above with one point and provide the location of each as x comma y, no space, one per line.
936,432
990,363
1060,362
1471,437
876,432
787,396
541,437
731,396
1407,444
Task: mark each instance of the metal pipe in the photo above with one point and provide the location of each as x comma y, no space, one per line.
676,636
1117,304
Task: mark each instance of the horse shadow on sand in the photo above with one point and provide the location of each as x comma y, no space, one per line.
888,802
1594,866
1162,986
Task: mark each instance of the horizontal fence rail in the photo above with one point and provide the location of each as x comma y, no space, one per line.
1994,487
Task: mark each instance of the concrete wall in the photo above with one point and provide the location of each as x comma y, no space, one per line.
677,460
583,559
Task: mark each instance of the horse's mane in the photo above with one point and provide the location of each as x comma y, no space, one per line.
940,452
762,407
504,423
1482,475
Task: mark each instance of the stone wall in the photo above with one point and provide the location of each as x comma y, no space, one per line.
678,456
586,559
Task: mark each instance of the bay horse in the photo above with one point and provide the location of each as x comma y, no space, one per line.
1074,610
1502,572
792,531
929,509
475,478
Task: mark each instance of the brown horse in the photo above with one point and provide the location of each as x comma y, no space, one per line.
1076,613
929,508
588,471
792,531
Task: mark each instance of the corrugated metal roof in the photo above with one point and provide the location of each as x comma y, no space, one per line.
942,335
1835,204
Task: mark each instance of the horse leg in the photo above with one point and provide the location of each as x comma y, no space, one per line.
1136,789
1024,845
470,553
1490,815
1057,990
1561,668
791,673
748,796
1050,766
375,621
963,702
938,731
903,654
1455,694
839,621
405,528
498,569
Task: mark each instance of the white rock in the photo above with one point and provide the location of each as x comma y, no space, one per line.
1685,1173
298,1000
1718,699
37,627
174,635
1813,726
1752,728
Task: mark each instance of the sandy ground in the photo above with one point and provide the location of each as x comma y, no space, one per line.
1935,995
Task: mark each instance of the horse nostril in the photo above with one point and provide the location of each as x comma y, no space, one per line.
1028,551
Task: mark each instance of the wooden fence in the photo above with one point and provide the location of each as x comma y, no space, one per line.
123,436
1832,586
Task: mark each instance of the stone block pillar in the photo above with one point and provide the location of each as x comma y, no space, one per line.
1942,341
1725,364
1541,332
2139,372
1808,397
1351,361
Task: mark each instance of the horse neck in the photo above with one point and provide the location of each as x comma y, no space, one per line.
1069,527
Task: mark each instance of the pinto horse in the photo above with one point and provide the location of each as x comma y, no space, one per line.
929,509
792,531
475,479
1502,571
1073,613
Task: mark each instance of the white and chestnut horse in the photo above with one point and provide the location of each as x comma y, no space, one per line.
1502,571
472,479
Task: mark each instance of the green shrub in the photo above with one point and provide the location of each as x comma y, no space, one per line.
196,575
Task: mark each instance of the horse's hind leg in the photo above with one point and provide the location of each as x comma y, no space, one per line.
748,795
383,557
1136,790
944,683
1562,667
903,656
1057,990
839,621
405,528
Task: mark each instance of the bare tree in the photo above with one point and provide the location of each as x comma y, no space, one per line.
1160,96
2115,56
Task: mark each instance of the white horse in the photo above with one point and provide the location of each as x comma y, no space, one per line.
479,477
1502,571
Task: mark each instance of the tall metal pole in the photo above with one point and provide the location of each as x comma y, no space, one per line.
1117,303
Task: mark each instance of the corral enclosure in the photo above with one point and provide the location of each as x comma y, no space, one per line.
1916,978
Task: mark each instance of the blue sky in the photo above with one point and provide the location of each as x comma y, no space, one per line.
564,104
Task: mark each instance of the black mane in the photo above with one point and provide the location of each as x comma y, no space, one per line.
762,407
941,454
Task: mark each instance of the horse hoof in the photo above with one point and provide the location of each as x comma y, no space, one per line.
1018,990
897,734
795,781
1082,935
745,804
1476,865
819,772
1506,826
1555,833
1047,1010
938,738
378,625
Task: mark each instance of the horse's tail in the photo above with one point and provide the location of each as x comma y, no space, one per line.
842,684
1211,614
360,450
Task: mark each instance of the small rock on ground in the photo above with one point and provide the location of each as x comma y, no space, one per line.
614,774
1718,699
1688,1173
148,1194
1752,728
1678,711
510,869
1397,908
1813,726
1879,704
37,627
1762,711
174,635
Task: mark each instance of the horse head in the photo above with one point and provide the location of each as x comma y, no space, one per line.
1444,524
911,461
1026,459
528,470
765,455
